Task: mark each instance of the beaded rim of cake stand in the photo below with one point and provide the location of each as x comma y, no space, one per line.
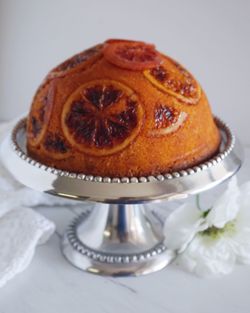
110,258
229,145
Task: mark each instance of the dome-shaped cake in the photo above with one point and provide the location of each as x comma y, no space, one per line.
120,109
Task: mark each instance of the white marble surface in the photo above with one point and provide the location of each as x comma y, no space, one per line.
52,285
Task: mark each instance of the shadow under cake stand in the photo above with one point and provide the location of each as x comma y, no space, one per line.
119,236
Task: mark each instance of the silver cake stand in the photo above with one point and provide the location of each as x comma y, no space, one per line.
119,236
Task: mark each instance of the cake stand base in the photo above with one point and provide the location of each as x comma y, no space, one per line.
116,240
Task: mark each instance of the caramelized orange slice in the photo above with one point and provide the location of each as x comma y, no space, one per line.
41,110
102,117
76,62
116,40
166,120
56,146
173,79
131,55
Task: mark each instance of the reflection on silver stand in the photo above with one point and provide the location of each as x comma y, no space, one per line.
116,239
119,236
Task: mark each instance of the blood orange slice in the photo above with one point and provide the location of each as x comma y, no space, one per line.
41,109
175,80
131,55
56,146
76,62
166,120
116,40
102,117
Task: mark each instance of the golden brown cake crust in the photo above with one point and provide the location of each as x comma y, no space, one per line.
100,117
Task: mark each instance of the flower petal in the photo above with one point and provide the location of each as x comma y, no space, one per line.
207,257
240,244
226,208
182,225
245,195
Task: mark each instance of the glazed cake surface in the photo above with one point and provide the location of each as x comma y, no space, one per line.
121,109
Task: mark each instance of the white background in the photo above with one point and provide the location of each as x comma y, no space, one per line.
211,38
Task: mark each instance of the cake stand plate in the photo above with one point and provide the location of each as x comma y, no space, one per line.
119,236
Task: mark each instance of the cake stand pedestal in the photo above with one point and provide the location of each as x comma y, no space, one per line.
119,236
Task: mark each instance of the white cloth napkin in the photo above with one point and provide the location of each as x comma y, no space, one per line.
21,227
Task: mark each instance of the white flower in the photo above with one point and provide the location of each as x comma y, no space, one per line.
182,225
211,243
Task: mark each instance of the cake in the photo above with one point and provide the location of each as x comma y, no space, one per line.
121,109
